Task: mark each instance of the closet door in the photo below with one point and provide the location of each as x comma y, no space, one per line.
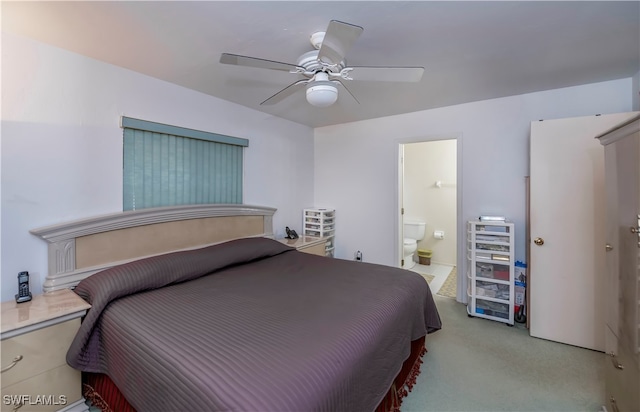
622,366
627,165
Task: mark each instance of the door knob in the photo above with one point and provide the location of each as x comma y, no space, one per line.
608,247
538,241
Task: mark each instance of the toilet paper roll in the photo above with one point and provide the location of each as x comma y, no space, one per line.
438,234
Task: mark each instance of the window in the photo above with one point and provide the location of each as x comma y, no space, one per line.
168,165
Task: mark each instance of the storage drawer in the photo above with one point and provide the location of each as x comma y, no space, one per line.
41,350
318,220
317,226
319,213
621,376
492,271
495,309
49,391
488,246
492,290
493,228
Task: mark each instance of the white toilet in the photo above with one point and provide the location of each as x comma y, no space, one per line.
413,232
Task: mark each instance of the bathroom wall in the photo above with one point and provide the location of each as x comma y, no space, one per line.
426,163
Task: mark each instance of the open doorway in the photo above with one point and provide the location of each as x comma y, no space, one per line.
428,197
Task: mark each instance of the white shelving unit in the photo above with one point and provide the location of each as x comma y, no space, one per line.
490,270
321,223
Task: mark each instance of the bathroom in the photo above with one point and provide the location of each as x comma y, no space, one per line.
429,195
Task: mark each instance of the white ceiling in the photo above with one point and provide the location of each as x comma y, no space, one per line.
470,50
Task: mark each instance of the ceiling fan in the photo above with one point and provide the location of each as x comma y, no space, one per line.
325,67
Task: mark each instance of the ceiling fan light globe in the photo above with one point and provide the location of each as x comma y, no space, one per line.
322,95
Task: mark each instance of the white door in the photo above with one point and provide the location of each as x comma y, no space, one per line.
567,212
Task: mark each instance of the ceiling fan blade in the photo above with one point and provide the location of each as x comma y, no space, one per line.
347,89
235,59
284,93
387,74
337,41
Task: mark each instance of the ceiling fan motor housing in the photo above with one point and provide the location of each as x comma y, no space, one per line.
309,61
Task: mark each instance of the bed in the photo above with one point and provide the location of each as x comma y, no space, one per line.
240,323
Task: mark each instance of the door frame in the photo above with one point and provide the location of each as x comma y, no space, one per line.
460,226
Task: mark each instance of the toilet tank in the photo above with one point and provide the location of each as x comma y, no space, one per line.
414,229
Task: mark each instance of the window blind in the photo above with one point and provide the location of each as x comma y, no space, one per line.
175,168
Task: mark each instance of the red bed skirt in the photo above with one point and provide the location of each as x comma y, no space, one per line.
404,381
104,394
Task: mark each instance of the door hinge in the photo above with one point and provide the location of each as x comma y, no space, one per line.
401,262
402,211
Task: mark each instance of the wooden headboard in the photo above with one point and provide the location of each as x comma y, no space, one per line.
81,248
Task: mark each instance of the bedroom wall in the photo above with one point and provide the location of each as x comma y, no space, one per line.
362,179
61,147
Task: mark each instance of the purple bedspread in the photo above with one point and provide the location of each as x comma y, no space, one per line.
251,325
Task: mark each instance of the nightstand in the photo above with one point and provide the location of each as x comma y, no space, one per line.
34,339
308,244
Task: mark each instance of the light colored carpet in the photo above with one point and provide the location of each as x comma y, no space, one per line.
450,285
475,364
